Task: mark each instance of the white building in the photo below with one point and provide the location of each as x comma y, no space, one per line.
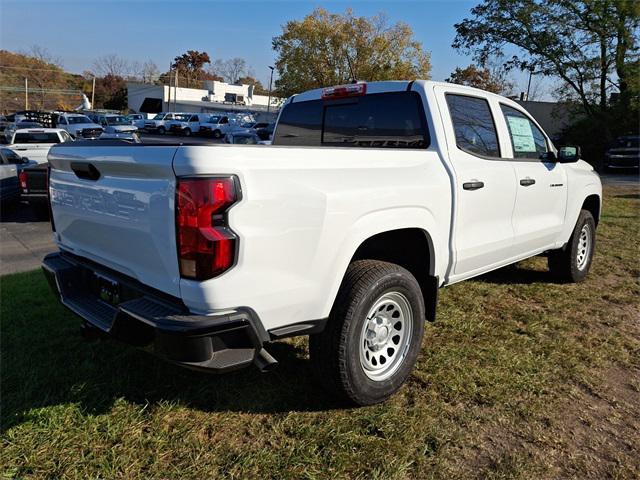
214,97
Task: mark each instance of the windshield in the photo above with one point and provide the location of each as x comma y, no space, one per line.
117,120
247,125
182,118
78,119
159,116
213,120
628,142
36,137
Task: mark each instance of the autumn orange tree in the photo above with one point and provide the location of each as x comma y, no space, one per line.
329,48
485,78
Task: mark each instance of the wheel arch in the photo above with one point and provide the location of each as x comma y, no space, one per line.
417,255
592,204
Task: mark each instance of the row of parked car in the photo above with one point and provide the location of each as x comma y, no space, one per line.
30,136
235,128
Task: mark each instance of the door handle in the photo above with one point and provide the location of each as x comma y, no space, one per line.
85,170
527,182
475,185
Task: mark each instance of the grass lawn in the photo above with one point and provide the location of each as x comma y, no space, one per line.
519,377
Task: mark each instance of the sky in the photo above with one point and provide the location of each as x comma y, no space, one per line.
79,31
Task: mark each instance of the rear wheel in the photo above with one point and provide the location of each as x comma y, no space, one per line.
374,333
572,263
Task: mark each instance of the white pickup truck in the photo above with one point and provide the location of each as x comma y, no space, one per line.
35,143
372,197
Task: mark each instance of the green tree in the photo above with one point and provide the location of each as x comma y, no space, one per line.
327,49
589,44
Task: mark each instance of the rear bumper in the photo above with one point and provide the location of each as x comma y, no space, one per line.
156,322
35,198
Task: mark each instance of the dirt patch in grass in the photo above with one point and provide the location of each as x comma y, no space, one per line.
520,377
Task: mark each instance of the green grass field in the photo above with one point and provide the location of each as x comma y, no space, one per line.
519,377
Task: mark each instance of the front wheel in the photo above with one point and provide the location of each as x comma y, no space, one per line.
374,333
217,134
161,131
187,132
572,263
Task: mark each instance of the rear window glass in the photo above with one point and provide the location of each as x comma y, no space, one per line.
37,137
473,125
383,120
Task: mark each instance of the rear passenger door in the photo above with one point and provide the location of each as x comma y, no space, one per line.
541,198
484,183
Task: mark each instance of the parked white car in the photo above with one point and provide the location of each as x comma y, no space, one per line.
219,125
157,124
373,197
137,120
114,123
35,143
186,124
78,125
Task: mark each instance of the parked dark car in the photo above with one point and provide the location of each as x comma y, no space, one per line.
266,132
34,186
624,153
242,138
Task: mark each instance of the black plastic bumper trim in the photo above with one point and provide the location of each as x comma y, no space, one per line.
157,323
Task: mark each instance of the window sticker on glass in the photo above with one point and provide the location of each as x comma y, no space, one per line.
521,134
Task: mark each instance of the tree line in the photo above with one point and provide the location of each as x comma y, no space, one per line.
588,47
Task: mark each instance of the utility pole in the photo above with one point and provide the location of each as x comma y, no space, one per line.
169,96
175,91
93,94
26,93
529,83
270,82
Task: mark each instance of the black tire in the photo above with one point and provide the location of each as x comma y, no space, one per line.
187,132
565,263
161,131
217,134
335,352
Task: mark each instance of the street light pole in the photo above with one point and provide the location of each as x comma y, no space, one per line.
270,82
529,83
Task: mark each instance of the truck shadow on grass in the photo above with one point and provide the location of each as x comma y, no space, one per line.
517,274
46,362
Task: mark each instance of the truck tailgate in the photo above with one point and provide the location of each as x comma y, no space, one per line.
115,205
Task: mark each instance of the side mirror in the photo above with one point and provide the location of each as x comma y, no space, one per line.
569,154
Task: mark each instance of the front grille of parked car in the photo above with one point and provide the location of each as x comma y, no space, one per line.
91,132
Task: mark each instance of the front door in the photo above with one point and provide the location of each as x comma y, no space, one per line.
541,199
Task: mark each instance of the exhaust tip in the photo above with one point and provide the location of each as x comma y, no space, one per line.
264,361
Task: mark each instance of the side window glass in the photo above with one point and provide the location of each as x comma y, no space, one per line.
195,118
473,125
527,139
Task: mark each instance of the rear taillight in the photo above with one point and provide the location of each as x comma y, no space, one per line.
23,180
341,91
206,245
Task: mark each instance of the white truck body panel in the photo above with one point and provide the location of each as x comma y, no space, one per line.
124,220
305,211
